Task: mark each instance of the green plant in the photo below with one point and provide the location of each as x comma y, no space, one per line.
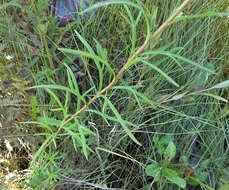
166,169
162,169
47,173
97,117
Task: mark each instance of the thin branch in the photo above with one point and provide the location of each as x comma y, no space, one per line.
123,69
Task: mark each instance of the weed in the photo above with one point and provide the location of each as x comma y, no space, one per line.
107,111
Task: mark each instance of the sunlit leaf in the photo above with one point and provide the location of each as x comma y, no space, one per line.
206,14
223,84
170,151
214,96
172,176
179,96
153,169
169,79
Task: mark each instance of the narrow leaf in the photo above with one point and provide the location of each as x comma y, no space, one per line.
214,96
105,3
157,52
179,96
121,121
206,14
169,79
223,84
88,55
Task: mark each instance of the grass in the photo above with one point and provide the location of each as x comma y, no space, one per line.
161,112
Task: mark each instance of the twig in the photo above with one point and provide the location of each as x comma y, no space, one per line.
123,69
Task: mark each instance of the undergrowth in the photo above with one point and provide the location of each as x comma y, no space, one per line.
163,124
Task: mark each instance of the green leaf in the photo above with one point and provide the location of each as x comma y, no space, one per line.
120,155
172,176
50,121
203,176
170,151
35,108
184,159
201,183
206,14
223,84
121,121
89,55
89,48
169,79
72,79
166,139
136,94
160,149
214,96
157,52
11,3
205,163
224,187
153,169
168,172
179,96
106,3
83,141
156,139
55,97
133,29
41,149
74,85
58,87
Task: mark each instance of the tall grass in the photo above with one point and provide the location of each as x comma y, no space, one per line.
161,94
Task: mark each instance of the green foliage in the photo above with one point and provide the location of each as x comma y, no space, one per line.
171,97
224,187
35,108
47,175
161,170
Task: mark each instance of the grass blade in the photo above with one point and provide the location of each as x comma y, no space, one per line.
88,55
169,79
121,121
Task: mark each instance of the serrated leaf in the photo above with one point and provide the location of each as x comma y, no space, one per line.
50,121
223,84
35,108
83,141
